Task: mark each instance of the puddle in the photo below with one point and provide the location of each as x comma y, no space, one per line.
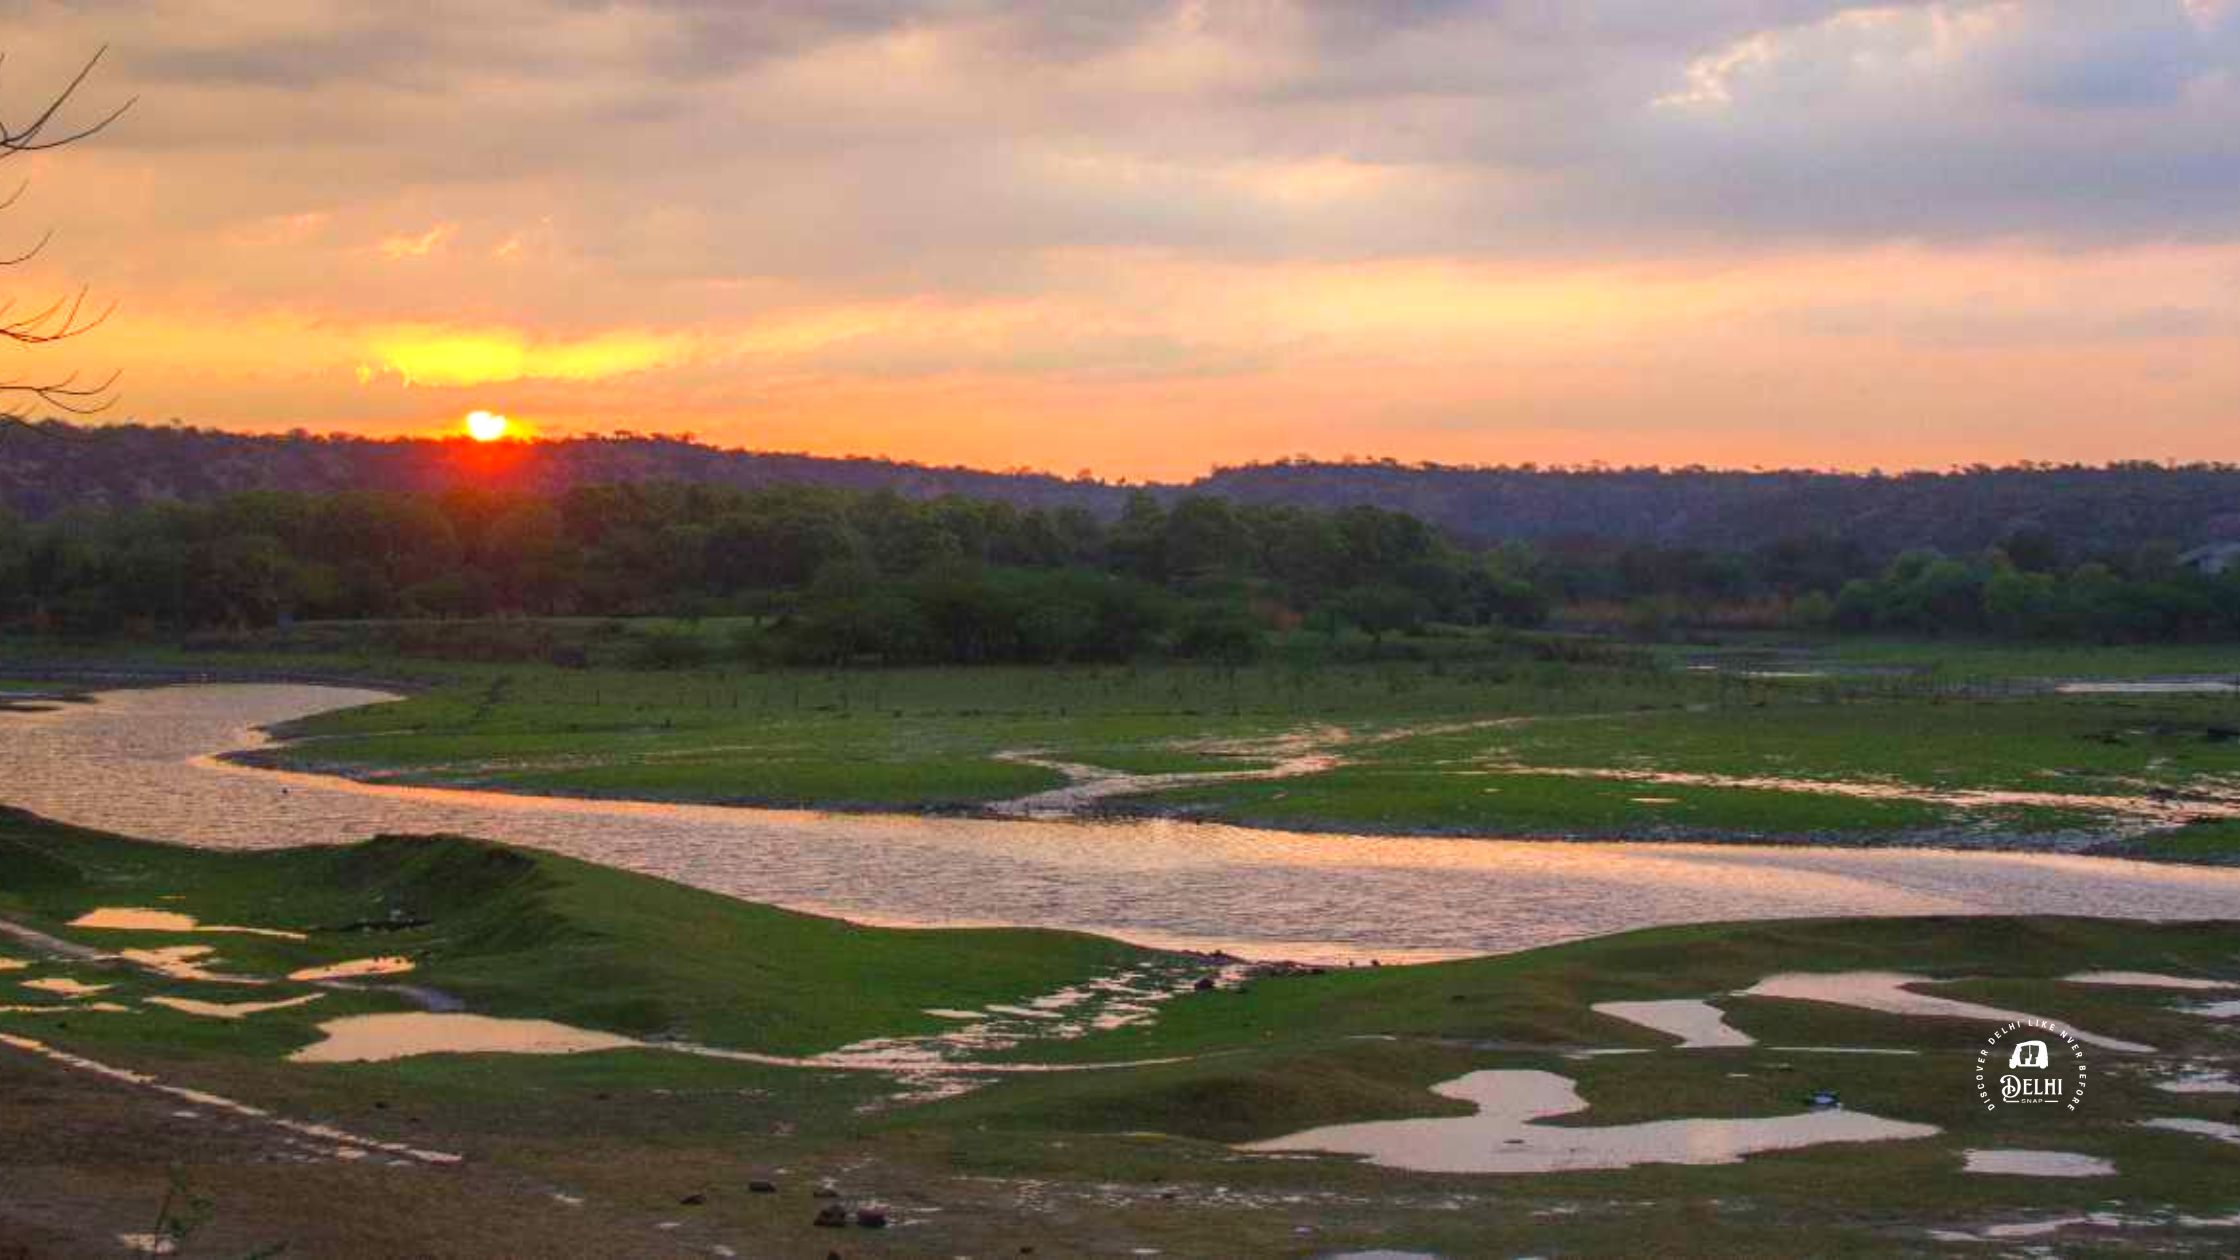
184,962
2148,980
1698,1024
1501,1138
229,1010
2151,687
386,965
135,919
379,1038
2200,1081
66,986
2019,1163
1886,991
215,1102
2216,1130
2216,1010
2096,1220
79,1008
12,964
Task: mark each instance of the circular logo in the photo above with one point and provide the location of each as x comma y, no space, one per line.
2030,1063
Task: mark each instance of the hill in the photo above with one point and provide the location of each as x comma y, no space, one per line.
2084,509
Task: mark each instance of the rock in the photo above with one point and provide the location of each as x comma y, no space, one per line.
825,1190
762,1187
832,1216
871,1218
692,1200
1204,984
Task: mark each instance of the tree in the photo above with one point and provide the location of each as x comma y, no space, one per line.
62,318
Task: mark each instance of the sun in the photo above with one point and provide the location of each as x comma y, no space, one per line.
487,426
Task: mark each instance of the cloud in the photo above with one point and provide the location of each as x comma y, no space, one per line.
400,248
705,204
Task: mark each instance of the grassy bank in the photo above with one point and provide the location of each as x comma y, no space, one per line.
643,1152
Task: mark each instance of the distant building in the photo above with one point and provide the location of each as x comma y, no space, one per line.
2212,559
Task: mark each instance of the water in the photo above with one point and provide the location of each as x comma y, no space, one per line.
140,763
1504,1138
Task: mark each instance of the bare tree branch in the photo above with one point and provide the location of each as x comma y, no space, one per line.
65,317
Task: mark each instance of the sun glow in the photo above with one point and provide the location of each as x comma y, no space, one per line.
487,426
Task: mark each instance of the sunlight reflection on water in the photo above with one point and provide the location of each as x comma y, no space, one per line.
140,763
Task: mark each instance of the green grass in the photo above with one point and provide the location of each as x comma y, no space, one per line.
1382,797
1115,1160
521,932
2071,744
2217,842
1957,660
927,738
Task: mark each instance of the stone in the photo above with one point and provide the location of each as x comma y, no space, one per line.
832,1216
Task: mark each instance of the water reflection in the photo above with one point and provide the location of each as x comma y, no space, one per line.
139,762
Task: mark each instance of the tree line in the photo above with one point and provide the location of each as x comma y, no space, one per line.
2028,586
830,576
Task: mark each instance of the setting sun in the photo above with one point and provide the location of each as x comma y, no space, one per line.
487,426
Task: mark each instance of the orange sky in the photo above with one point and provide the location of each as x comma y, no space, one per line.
1148,238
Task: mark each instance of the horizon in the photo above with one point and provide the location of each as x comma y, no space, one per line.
1170,236
461,438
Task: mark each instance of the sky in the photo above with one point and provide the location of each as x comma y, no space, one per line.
1144,239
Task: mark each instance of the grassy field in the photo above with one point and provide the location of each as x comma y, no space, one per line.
1452,734
646,1152
1484,780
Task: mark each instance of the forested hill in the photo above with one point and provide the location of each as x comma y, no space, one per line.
2085,509
120,465
2113,508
